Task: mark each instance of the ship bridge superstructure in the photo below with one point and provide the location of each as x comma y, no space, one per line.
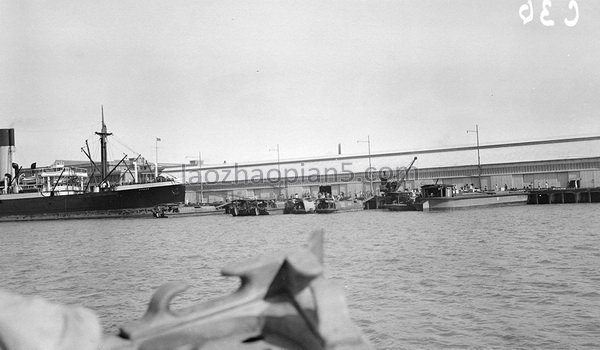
54,180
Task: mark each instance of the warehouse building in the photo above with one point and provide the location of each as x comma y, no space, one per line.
561,163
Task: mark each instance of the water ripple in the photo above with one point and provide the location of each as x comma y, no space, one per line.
518,278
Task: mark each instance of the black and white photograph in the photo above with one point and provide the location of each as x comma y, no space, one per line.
299,174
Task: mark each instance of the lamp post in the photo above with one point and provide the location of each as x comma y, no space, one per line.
156,167
278,168
199,175
368,142
476,131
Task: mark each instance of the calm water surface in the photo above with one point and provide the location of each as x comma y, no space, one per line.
516,277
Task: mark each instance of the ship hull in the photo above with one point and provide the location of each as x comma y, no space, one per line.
340,206
399,207
179,210
126,201
472,201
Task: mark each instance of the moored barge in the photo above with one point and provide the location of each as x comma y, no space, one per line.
443,197
248,207
330,205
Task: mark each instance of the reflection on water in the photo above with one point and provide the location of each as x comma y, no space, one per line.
513,277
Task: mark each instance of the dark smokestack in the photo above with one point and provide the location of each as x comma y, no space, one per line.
7,143
7,137
11,137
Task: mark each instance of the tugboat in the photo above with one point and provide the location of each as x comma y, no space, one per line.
64,192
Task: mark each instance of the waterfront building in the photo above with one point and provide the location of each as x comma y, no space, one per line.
518,165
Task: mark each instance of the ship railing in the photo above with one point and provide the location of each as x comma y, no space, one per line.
62,190
29,187
65,171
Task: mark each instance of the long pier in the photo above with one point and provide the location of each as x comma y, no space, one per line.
564,195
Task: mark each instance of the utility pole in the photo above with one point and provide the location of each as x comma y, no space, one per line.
200,176
278,169
201,199
368,142
476,131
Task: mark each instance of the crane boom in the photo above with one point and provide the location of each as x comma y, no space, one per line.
401,180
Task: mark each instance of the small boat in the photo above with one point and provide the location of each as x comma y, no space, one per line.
248,207
395,195
178,209
330,205
299,206
275,207
399,201
443,197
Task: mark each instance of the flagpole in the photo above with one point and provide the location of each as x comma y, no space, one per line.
156,166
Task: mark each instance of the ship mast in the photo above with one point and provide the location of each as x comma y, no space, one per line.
103,162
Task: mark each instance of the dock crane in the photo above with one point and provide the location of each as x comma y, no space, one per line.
401,181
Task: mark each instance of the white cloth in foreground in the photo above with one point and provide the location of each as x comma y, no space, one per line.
32,323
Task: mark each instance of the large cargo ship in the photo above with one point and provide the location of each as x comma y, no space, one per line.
63,192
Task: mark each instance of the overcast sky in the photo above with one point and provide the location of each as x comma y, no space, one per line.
233,79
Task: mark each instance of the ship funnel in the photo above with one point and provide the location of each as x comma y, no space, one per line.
7,144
